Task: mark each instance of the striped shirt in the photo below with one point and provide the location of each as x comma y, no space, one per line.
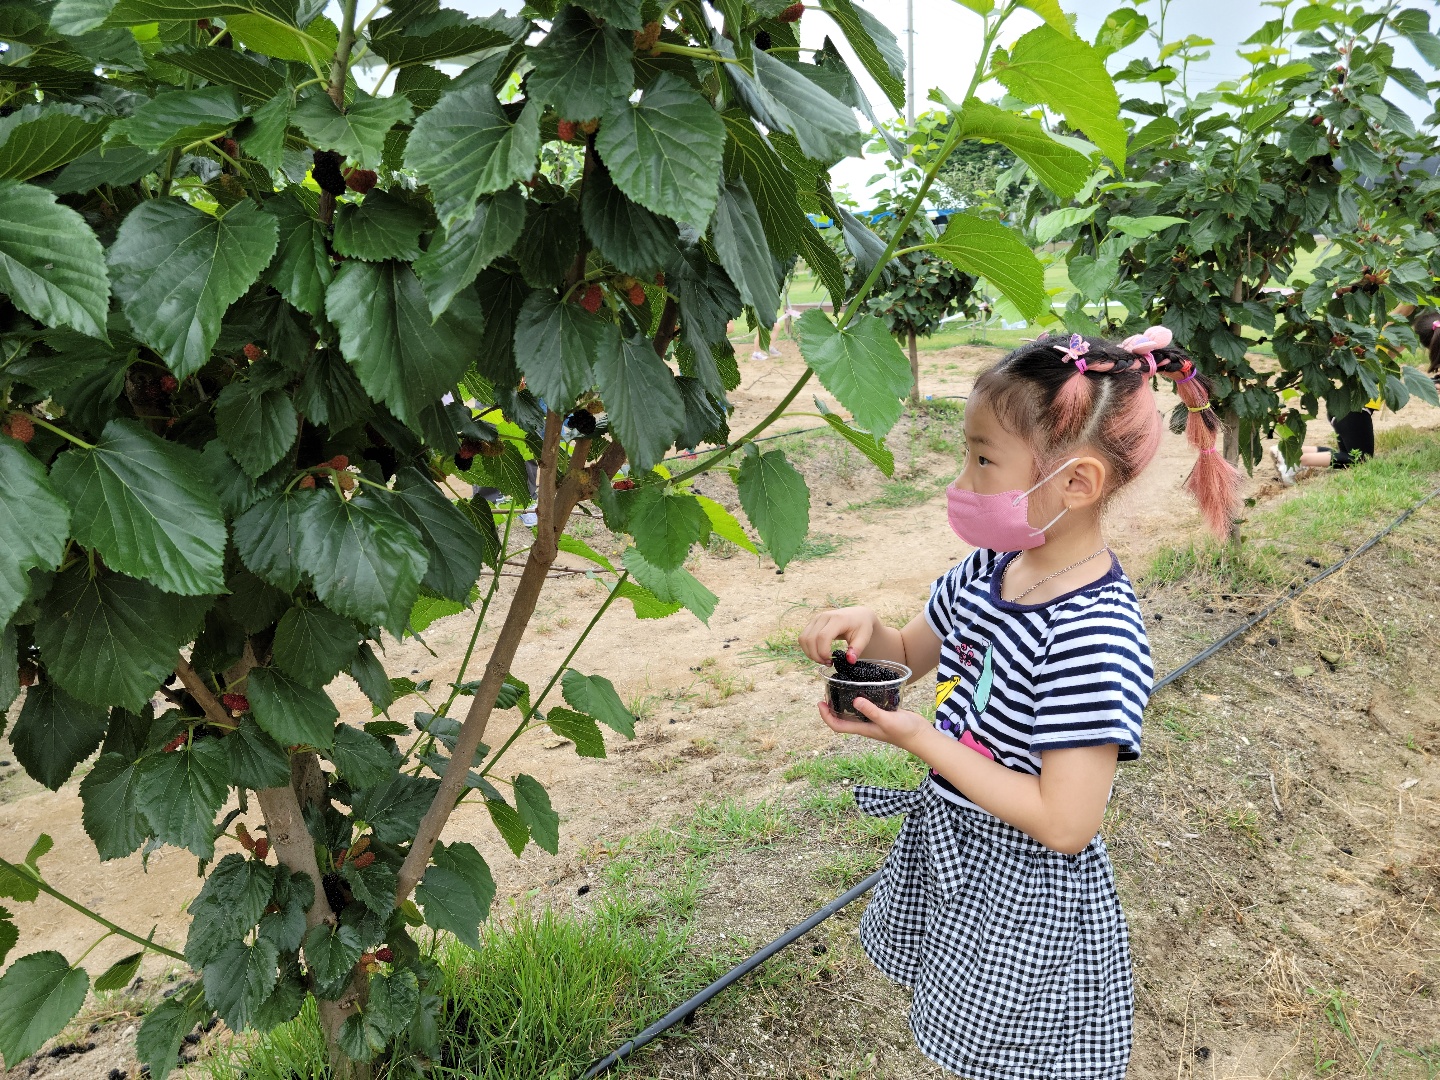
1015,680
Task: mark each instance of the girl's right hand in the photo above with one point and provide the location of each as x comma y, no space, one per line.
853,625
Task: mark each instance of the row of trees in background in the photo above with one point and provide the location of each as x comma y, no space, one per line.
1223,191
243,300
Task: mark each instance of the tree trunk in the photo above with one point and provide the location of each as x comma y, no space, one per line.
1230,447
914,370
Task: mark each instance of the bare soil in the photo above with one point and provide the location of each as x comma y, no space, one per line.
716,721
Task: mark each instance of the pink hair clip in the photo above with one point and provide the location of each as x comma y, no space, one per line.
1074,352
1144,345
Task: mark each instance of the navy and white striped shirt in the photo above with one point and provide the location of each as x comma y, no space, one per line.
1017,679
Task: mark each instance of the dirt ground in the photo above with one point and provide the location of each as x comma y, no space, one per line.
717,721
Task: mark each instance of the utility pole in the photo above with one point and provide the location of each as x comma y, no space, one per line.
910,63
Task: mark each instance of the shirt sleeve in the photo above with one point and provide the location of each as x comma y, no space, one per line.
940,611
1095,682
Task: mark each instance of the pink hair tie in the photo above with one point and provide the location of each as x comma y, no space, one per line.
1208,450
1435,325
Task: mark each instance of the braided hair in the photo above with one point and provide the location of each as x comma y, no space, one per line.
1096,393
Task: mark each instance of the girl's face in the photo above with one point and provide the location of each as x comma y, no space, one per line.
995,459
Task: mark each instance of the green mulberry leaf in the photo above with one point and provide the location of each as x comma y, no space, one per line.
665,151
365,559
673,586
267,536
557,344
181,117
39,995
454,259
239,979
146,506
257,423
302,270
290,712
1047,67
456,548
533,804
744,252
361,759
109,807
386,333
666,524
112,640
383,226
456,892
51,264
34,523
861,365
580,729
176,270
465,147
777,502
635,239
180,793
358,132
55,732
988,249
256,760
394,808
595,696
313,644
646,410
581,67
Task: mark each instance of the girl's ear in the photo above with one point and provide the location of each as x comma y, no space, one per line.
1085,483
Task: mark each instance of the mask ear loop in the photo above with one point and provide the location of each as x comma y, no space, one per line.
1025,494
1042,482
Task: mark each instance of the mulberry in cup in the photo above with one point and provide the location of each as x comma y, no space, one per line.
880,681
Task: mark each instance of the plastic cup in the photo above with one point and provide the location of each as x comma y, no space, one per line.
886,694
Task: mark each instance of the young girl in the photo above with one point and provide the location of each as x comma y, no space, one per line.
998,903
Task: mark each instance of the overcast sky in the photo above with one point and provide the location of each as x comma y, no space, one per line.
947,44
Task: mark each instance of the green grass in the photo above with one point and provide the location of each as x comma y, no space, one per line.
819,546
1233,570
897,494
545,995
781,648
881,767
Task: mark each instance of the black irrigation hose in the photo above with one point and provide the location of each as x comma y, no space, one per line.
680,1012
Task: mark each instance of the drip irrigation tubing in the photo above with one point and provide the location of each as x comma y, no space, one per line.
687,1008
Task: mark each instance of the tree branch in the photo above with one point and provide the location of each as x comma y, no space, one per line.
280,806
578,483
545,518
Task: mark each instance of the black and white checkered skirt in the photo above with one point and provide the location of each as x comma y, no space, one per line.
1018,955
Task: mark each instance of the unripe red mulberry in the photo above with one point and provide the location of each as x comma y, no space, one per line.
360,181
28,673
344,481
590,300
339,461
306,483
792,13
589,127
252,351
230,148
637,294
238,704
173,744
243,835
262,847
624,484
492,449
363,860
384,954
646,39
19,427
169,383
566,130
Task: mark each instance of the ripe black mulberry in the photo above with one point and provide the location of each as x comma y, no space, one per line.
583,421
326,172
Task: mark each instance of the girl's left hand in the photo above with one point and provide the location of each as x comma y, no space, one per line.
899,728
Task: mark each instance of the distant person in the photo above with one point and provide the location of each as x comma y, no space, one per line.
1355,433
1427,328
997,904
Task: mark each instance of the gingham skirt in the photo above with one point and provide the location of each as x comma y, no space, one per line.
1018,955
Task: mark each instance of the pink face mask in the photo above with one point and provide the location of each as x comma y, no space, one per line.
999,522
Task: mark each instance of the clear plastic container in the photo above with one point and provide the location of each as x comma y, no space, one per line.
886,694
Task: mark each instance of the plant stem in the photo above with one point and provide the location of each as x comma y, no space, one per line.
951,141
62,433
564,664
50,890
340,65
